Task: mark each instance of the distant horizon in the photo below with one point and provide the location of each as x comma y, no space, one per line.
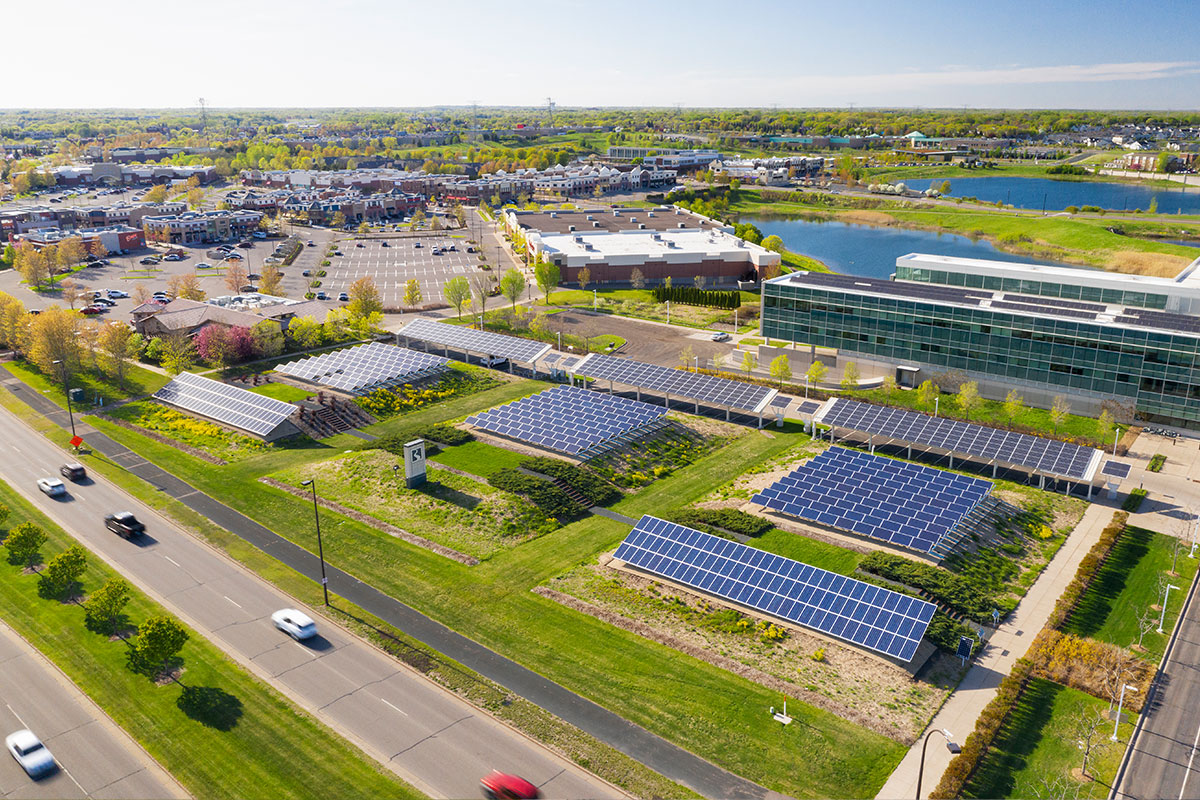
565,108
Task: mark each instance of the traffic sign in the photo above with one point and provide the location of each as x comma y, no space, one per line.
76,441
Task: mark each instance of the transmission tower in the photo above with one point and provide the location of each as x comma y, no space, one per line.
550,106
203,115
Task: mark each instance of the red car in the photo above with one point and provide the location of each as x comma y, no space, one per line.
498,786
89,310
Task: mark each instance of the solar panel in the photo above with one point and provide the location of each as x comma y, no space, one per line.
360,369
224,403
908,505
677,383
991,444
568,419
1054,301
1117,469
1160,319
809,407
493,344
1032,309
878,619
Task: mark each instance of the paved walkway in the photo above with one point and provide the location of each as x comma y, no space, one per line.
1008,644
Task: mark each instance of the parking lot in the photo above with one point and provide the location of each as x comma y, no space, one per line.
397,262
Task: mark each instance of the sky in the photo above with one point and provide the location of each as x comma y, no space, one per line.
1097,54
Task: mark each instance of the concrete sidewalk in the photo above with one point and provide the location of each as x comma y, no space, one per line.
1008,644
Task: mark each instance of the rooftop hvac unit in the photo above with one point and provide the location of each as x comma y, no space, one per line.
683,225
553,215
595,224
579,239
590,218
649,213
570,227
641,226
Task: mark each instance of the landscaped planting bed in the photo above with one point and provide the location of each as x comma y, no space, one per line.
661,453
200,434
385,403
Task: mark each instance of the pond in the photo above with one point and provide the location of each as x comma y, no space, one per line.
1057,195
871,251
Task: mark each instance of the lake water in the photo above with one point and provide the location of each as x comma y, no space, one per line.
1031,192
871,251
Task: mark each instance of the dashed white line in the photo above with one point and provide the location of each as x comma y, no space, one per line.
227,597
173,561
393,707
1188,772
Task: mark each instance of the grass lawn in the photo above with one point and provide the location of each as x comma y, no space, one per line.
707,710
640,304
1126,585
278,750
810,551
138,381
281,391
478,458
1038,742
188,430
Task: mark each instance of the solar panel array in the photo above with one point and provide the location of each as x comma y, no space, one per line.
1058,312
1117,469
365,367
1055,302
224,403
979,441
879,619
493,344
568,419
1160,319
677,383
905,504
809,407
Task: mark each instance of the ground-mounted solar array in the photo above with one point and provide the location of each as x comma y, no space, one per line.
458,337
1115,469
677,383
235,407
366,367
570,420
905,504
1047,456
878,619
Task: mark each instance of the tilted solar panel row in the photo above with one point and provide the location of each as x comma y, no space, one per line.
678,383
493,344
228,404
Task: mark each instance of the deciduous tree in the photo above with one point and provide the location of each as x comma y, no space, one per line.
339,220
177,352
749,362
637,279
773,243
512,283
155,194
584,277
235,276
119,345
927,393
71,293
268,339
816,372
850,376
412,293
141,293
186,286
24,543
1059,411
64,571
54,336
215,345
364,298
271,281
306,332
781,369
547,276
1014,404
159,641
104,606
457,291
968,398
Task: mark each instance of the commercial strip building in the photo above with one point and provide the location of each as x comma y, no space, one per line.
115,238
664,157
195,227
20,220
1091,336
130,174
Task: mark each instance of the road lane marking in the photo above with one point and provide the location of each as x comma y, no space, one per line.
232,601
1187,773
173,561
393,707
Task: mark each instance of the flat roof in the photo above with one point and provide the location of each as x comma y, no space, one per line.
611,220
672,245
1078,276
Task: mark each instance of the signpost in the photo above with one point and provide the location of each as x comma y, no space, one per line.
414,463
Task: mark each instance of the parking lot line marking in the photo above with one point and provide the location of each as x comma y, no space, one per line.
389,704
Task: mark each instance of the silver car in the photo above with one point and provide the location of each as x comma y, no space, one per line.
30,753
295,624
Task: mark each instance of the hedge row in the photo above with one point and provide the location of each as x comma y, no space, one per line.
691,296
1134,501
963,765
724,519
445,434
552,501
948,589
588,482
1088,568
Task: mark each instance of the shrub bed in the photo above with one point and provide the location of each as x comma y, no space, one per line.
1090,666
445,434
587,482
722,521
551,500
1156,462
384,403
1134,501
198,433
953,591
691,296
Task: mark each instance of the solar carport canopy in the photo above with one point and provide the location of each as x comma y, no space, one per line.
359,369
526,351
694,386
235,407
1033,453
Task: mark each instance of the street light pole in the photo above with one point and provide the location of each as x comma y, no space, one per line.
1163,617
1120,703
311,483
951,745
67,389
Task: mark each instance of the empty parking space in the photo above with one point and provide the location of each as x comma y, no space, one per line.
399,262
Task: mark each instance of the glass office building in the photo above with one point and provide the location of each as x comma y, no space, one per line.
1046,335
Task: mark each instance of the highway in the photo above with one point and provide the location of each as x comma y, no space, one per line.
95,757
431,738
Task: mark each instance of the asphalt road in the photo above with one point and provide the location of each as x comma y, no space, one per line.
95,757
431,738
1165,758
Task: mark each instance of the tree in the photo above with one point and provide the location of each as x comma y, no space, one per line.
104,606
584,277
339,220
64,571
547,276
436,225
215,345
773,243
1089,735
1153,208
418,217
71,251
32,265
178,352
186,286
267,339
71,293
718,362
1059,411
8,258
945,187
155,194
1104,425
927,393
235,276
816,372
457,291
364,227
141,293
636,279
271,281
968,398
482,289
1147,621
749,362
159,640
781,369
242,340
686,357
4,512
54,336
23,543
306,332
889,385
364,298
98,249
1014,403
119,345
850,376
412,293
512,283
700,282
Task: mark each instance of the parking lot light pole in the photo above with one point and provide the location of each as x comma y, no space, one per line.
951,745
311,483
67,389
1163,617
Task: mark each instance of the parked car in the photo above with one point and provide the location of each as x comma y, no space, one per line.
322,296
499,786
384,244
103,301
453,248
73,472
254,276
234,257
418,245
307,273
124,524
204,265
52,486
245,245
720,336
172,257
149,260
295,624
311,243
493,361
259,235
116,294
30,753
359,244
89,311
343,297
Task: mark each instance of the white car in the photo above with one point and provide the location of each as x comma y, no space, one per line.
720,336
52,486
114,294
493,361
295,624
30,753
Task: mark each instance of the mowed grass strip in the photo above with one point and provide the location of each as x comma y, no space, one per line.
841,560
1127,585
478,458
281,391
255,745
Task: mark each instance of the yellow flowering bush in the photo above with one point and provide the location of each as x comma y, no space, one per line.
383,403
198,433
